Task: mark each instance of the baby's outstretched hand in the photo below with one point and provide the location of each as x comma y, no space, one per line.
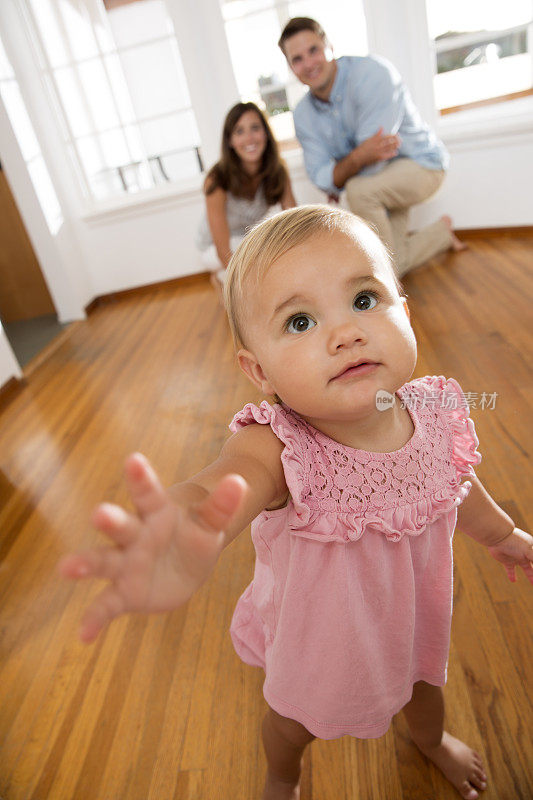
516,550
162,553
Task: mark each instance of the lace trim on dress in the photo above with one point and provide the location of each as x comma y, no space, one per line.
339,492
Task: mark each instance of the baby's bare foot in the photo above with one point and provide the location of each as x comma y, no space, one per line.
275,789
457,245
461,765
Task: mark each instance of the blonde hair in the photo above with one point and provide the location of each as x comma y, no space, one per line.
272,238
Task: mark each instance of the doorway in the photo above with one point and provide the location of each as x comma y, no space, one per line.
27,311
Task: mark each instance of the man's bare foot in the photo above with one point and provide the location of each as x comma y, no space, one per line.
461,765
457,245
275,789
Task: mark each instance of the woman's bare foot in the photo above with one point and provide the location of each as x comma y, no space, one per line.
461,765
457,245
275,789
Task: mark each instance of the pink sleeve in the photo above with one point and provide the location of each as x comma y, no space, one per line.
455,412
465,441
284,428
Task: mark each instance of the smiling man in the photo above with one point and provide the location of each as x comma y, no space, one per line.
360,131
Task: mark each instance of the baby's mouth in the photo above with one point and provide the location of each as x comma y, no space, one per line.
356,368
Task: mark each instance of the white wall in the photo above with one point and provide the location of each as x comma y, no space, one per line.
489,181
145,243
154,241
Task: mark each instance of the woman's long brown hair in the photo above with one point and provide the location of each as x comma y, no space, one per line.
228,173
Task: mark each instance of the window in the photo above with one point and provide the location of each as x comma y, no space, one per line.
483,49
119,88
253,28
28,144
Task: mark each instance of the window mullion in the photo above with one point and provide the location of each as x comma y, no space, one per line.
27,14
104,20
66,43
82,95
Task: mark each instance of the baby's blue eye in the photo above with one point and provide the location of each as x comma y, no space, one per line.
300,323
365,301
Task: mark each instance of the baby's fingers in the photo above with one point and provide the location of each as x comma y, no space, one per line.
104,562
510,573
107,605
528,571
145,488
121,527
216,511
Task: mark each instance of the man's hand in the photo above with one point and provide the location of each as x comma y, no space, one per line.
162,553
379,147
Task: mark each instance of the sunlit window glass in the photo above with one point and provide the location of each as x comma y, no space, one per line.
253,28
116,73
483,49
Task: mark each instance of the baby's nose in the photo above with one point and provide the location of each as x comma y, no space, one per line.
345,336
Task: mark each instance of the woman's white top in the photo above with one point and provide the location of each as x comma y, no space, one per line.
242,214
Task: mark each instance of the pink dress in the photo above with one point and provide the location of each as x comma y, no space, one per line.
351,600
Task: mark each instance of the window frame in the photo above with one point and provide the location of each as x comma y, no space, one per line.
497,98
71,140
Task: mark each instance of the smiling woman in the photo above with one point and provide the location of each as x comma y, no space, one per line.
242,186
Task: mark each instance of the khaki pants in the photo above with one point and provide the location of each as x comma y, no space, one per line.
384,201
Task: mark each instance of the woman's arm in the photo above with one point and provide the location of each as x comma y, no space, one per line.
215,204
287,198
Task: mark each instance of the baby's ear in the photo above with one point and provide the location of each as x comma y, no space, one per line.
406,307
253,370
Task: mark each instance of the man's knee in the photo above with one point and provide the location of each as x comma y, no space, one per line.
360,197
400,184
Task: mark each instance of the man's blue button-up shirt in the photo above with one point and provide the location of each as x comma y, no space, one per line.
368,94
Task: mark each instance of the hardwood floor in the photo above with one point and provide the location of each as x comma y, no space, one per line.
161,707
